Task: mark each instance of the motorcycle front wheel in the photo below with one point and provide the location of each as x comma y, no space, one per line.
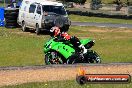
53,58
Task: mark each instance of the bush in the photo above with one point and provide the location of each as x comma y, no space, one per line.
123,2
7,1
95,4
76,1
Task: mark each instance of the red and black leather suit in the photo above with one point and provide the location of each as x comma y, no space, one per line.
55,32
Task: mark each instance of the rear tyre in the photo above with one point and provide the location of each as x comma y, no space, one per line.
11,10
53,58
10,21
92,57
11,15
11,18
11,24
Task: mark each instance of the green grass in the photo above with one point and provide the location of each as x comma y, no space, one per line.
98,19
22,49
1,4
68,84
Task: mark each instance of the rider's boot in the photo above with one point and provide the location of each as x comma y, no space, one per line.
83,49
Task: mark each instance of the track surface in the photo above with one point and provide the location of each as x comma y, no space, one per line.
19,75
101,24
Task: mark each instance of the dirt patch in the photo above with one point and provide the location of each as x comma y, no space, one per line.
97,30
120,30
24,33
107,30
117,37
127,31
13,77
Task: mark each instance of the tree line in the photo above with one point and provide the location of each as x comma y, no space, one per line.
118,2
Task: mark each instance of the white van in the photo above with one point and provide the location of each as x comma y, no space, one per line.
42,15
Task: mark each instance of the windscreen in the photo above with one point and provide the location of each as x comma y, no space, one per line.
55,9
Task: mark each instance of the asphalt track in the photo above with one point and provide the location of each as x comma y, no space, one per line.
59,66
101,24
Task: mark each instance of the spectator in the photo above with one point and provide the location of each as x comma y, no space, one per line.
19,3
13,4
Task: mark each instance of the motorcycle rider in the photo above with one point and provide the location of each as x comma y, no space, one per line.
55,32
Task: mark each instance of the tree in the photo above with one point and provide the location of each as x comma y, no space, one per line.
76,1
119,4
95,4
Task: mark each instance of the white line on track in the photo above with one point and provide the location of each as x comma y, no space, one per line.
82,25
101,26
122,27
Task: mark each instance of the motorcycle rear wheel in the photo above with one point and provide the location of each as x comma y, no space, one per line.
53,58
92,57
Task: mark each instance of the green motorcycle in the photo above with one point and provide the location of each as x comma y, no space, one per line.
63,52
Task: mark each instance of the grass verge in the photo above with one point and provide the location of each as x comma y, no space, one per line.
68,84
98,19
22,49
18,49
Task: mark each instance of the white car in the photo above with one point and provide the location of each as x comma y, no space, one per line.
42,15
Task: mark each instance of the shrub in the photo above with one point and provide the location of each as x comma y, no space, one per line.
76,1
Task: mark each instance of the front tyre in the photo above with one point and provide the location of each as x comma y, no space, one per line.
53,58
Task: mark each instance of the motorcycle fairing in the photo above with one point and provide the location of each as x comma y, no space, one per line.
85,41
62,48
